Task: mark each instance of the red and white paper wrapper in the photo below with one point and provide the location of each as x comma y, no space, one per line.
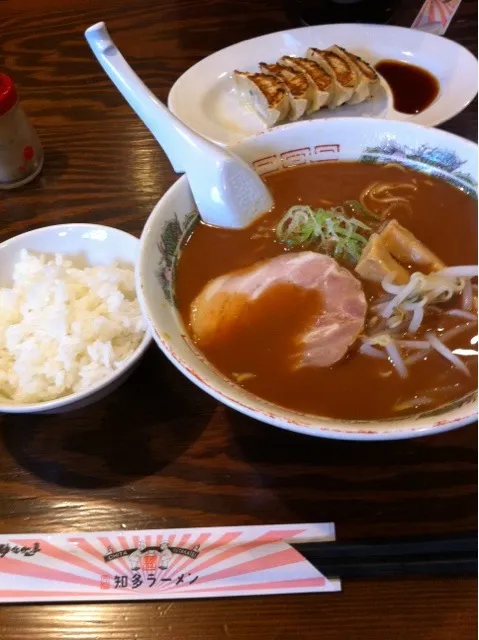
435,16
161,564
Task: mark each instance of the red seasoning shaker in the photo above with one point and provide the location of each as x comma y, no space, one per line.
21,153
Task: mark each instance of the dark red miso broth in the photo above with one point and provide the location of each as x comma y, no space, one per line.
257,354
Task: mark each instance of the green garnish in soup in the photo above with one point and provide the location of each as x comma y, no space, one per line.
329,229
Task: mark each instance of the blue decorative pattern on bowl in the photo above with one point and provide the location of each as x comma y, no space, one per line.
172,238
435,161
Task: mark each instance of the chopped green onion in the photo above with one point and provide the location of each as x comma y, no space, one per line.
302,225
358,208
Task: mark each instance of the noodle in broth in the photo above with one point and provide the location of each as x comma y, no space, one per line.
418,348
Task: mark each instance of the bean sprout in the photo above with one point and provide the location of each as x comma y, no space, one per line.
446,352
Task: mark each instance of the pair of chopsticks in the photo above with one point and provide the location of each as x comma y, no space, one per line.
419,556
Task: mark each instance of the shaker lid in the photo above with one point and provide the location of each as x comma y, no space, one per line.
8,93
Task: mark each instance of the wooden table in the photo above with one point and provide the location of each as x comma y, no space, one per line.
159,452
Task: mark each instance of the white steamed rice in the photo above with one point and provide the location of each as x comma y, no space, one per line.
63,329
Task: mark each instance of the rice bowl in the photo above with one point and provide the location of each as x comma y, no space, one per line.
70,325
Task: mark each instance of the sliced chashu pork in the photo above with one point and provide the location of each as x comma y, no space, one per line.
268,96
224,300
321,81
300,87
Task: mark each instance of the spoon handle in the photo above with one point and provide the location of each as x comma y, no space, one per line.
226,189
165,127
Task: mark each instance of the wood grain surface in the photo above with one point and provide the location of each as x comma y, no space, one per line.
159,452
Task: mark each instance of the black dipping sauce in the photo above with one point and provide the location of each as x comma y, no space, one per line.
414,89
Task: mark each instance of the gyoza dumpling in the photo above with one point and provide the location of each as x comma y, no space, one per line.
321,81
368,78
361,90
298,84
267,95
365,71
368,71
345,76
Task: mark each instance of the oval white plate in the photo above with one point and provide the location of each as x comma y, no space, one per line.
204,98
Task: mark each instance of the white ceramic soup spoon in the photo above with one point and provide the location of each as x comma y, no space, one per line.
227,190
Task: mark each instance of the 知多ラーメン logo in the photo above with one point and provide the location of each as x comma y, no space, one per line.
151,558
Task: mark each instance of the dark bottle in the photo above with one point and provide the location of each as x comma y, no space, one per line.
308,12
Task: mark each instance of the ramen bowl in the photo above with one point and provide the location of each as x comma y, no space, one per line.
429,151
